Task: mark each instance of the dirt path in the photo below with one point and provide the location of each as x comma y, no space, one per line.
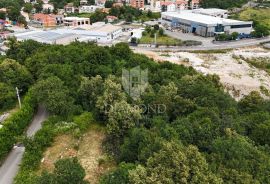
90,153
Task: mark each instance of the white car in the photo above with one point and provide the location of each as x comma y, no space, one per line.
8,25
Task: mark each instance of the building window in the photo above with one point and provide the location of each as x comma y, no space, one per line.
240,26
219,28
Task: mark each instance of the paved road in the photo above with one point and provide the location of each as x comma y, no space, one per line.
207,43
212,46
36,124
11,165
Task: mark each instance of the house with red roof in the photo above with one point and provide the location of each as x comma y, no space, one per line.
45,20
170,6
111,18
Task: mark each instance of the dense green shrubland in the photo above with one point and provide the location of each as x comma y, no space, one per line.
203,135
15,125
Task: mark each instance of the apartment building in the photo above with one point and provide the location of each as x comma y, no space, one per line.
137,3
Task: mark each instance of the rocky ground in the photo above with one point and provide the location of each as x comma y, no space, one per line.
238,76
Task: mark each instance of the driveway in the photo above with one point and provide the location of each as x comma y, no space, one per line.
10,167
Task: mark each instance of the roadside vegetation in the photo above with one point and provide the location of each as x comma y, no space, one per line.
223,4
126,13
161,39
261,63
201,136
258,15
260,18
148,37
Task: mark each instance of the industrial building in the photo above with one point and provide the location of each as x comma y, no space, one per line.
204,25
104,34
215,12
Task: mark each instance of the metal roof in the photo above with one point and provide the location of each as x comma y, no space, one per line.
203,19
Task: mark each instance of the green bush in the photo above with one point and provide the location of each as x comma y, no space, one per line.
83,121
35,148
16,124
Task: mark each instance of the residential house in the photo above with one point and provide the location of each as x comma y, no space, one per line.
48,7
59,19
118,4
76,21
181,5
3,10
170,6
70,8
30,1
83,2
100,2
46,20
88,9
137,4
105,10
165,6
111,18
195,4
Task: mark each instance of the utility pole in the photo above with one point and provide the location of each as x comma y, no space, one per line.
155,39
19,99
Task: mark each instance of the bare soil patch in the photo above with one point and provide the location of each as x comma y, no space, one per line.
238,77
88,149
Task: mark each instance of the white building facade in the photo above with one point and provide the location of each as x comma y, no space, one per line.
88,9
76,21
204,25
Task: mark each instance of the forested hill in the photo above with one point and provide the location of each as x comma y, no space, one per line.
202,136
223,4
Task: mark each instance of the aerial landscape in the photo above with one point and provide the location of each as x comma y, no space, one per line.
134,92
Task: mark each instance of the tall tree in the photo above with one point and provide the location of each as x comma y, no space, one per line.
14,74
122,117
174,164
52,93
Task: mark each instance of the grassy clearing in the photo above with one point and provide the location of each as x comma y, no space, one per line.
161,40
260,63
218,51
88,149
260,15
83,15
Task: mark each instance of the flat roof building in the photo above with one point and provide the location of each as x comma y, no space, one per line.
204,25
215,12
48,37
103,34
76,21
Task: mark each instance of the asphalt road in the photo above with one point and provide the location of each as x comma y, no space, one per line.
11,165
212,46
207,43
36,124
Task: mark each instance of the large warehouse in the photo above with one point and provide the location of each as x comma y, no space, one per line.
204,25
103,34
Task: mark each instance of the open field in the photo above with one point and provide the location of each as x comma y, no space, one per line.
88,149
260,15
237,74
161,40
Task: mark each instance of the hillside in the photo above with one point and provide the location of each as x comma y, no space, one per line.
182,128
